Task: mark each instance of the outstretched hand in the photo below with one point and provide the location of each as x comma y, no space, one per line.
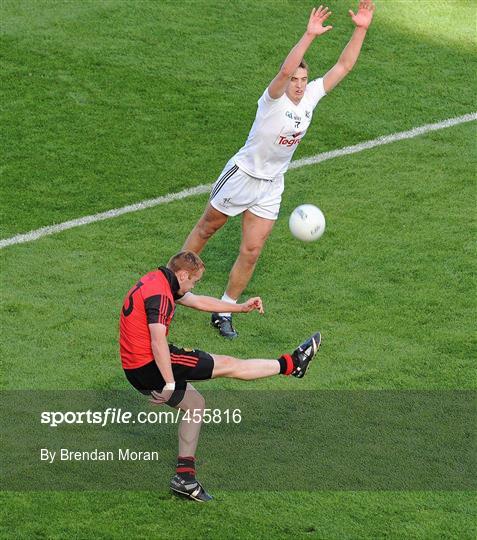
253,303
317,18
364,15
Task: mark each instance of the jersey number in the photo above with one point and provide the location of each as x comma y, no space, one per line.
128,310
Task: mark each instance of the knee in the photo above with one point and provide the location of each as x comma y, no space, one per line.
193,400
250,253
228,365
207,228
197,402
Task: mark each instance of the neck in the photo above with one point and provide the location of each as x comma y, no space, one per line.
295,101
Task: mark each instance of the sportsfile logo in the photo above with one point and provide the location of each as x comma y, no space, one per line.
113,415
292,141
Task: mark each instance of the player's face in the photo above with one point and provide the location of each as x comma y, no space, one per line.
188,281
297,85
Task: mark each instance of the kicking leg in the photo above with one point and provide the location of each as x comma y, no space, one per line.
247,370
295,364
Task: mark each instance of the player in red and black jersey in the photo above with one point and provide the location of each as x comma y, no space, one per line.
157,368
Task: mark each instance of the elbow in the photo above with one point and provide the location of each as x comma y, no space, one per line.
346,67
285,73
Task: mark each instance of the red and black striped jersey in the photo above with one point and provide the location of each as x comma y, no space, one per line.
151,300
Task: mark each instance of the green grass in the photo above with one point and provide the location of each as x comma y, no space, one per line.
108,103
389,284
333,516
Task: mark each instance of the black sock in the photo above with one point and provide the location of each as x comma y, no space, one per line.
186,467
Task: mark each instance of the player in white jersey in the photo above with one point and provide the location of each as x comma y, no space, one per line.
251,183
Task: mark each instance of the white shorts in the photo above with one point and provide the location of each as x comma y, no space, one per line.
236,191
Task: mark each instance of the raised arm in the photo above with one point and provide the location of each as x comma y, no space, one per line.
315,28
348,57
207,303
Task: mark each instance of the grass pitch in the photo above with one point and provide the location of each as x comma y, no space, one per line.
108,103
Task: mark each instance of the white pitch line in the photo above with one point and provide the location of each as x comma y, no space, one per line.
53,229
204,188
386,139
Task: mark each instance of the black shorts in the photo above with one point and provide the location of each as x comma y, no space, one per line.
187,365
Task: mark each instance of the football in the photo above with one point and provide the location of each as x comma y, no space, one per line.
307,223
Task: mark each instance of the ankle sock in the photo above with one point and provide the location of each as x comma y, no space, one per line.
186,467
226,298
287,365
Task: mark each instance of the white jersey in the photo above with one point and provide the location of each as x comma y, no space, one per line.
277,130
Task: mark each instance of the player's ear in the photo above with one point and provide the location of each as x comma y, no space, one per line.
182,275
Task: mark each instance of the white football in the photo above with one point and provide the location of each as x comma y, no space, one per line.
307,223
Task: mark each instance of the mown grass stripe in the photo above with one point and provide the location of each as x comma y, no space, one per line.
204,188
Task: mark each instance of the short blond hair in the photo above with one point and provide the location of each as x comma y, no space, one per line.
186,260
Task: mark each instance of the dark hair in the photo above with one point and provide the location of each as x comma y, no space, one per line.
303,64
186,260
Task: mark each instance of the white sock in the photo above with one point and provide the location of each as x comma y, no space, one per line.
226,298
